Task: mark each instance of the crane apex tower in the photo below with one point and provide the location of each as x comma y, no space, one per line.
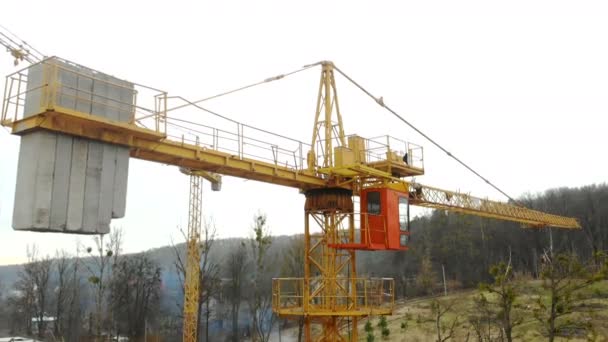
67,183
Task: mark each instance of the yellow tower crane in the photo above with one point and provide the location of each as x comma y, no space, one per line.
330,171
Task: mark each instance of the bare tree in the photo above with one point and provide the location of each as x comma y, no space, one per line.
73,319
62,267
236,266
67,295
1,295
32,294
482,319
260,302
293,266
445,328
37,273
210,273
209,278
3,306
21,308
135,292
102,257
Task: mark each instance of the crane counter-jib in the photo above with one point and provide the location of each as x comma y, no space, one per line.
153,146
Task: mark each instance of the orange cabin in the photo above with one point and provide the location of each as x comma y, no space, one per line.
384,221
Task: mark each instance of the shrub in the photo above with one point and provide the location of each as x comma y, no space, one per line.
382,322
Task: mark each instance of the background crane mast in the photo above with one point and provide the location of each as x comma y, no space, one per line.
335,169
193,259
192,279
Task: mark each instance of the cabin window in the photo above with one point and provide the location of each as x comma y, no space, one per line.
403,214
373,203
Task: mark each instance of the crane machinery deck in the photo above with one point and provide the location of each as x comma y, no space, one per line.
330,171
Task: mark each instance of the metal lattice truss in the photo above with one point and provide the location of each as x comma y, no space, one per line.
331,290
430,197
191,283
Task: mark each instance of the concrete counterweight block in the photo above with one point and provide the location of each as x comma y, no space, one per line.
64,183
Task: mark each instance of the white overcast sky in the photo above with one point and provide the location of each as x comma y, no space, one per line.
518,89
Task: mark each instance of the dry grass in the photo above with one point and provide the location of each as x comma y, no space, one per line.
421,325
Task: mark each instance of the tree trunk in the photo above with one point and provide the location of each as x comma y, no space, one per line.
553,312
438,326
207,313
235,323
506,319
508,329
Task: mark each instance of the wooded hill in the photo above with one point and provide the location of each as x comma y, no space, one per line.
464,246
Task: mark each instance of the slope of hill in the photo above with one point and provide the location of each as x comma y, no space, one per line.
421,325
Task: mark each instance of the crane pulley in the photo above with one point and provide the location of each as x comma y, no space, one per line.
18,48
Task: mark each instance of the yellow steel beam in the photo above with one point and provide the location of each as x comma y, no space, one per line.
154,146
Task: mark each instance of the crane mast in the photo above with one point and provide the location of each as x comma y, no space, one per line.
193,279
336,168
330,276
193,260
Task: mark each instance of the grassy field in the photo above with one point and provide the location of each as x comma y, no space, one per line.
418,316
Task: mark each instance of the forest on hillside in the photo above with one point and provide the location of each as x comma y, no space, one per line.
95,290
467,246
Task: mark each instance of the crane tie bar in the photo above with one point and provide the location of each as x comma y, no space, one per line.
266,80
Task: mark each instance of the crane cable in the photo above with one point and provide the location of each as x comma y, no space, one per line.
267,80
380,101
19,47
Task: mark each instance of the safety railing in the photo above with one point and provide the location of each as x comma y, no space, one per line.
386,147
59,85
240,140
380,150
55,84
357,295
